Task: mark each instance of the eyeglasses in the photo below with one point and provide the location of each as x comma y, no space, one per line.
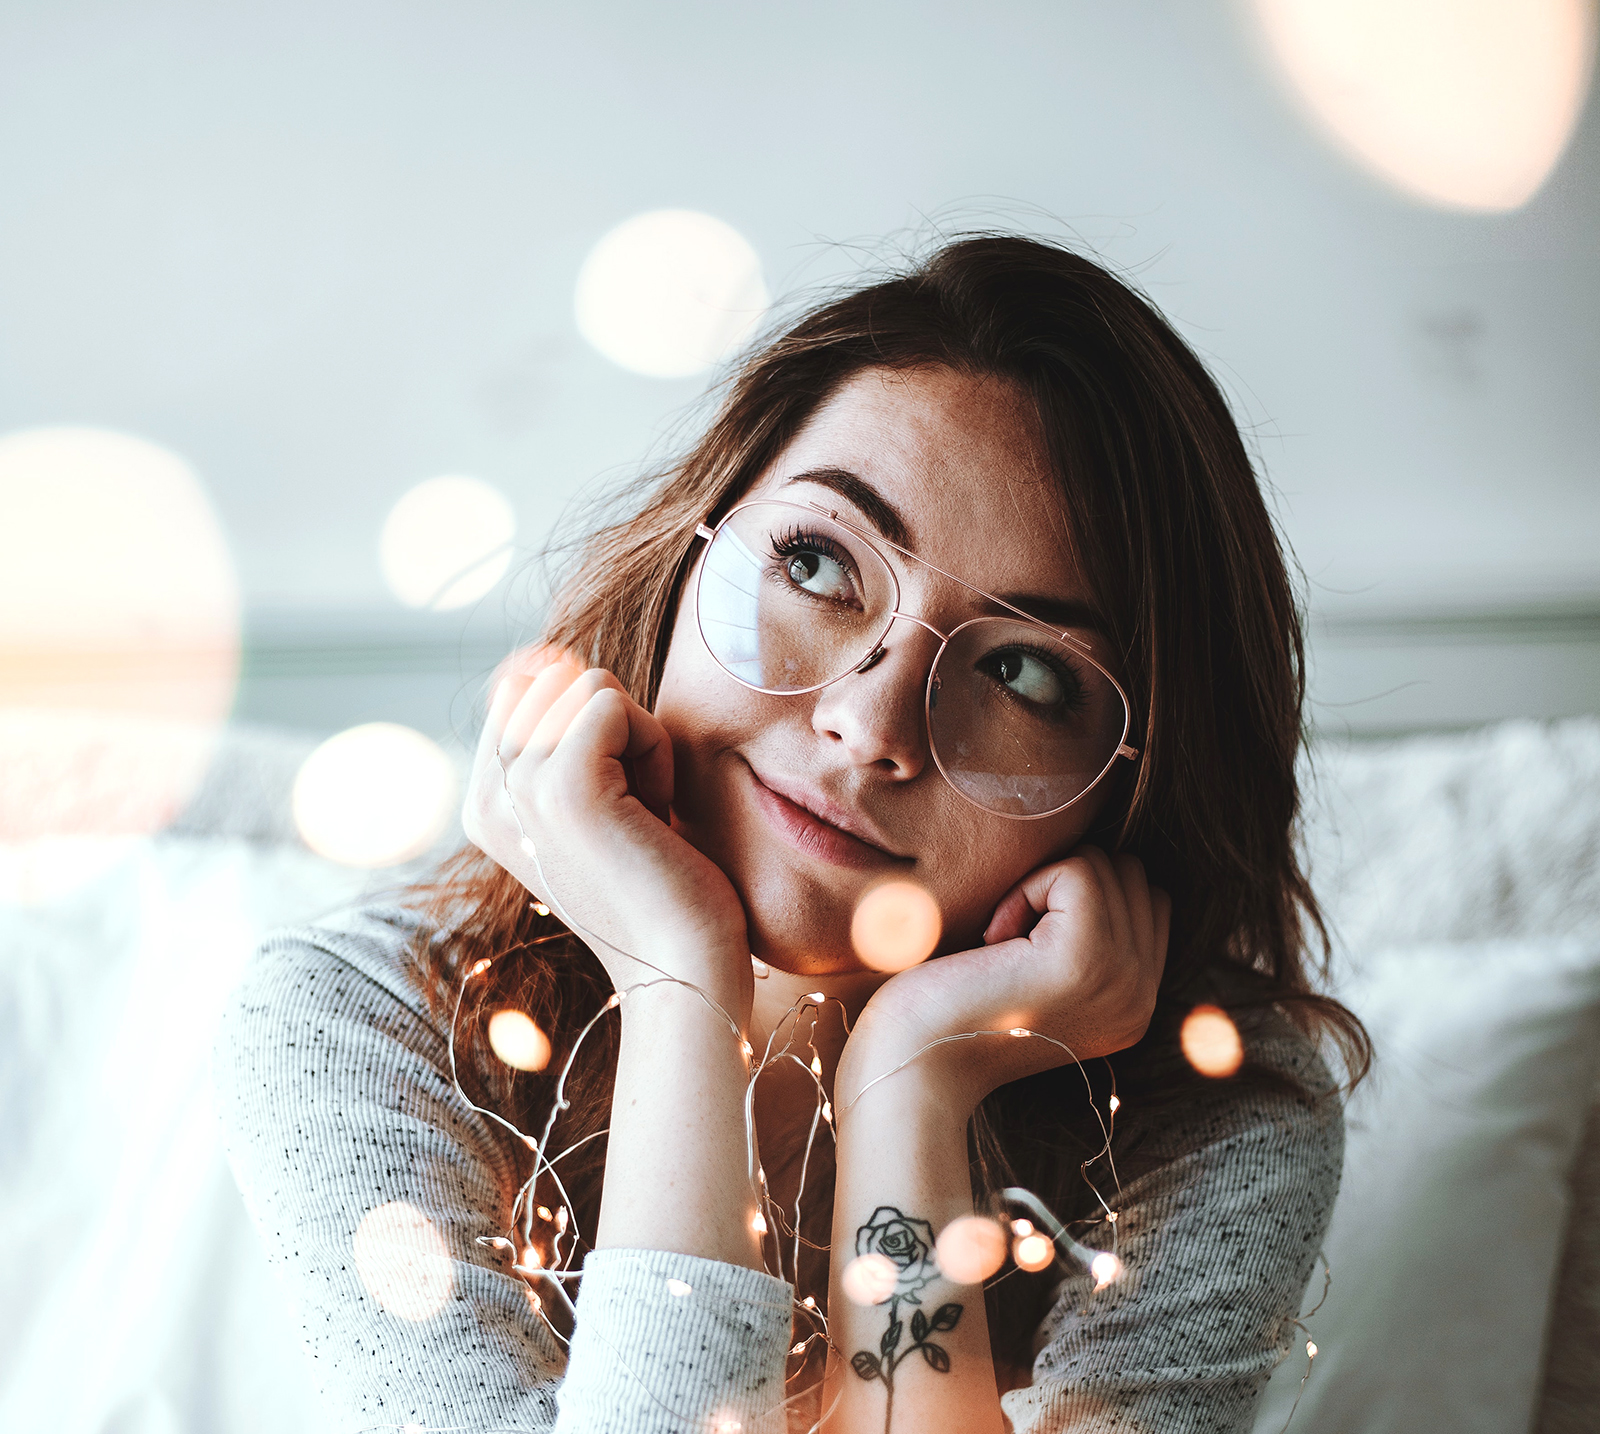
1023,719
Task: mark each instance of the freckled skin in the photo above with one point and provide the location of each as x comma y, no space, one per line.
963,460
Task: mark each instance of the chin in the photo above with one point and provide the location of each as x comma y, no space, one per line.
790,935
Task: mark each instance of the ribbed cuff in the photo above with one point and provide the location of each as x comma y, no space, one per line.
668,1342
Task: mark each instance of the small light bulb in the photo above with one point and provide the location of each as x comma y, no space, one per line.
1311,1349
799,1348
1022,1227
479,967
531,1258
1034,1252
561,1219
1019,1031
1105,1267
816,1065
827,1111
528,848
1111,1215
540,909
678,1289
614,1000
747,1048
817,998
1115,1105
809,1302
758,1223
535,1301
761,1174
543,1212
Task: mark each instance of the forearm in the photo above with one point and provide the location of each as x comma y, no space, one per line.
920,1359
676,1164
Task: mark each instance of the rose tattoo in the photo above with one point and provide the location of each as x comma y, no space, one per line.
908,1244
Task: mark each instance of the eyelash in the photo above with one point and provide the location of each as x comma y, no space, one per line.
1073,700
796,540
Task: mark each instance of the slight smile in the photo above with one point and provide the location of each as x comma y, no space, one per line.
793,815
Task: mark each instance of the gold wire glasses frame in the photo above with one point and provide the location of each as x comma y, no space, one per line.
875,650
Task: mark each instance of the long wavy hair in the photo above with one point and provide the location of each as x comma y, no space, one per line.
1161,512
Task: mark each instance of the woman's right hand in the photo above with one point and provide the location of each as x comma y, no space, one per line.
603,855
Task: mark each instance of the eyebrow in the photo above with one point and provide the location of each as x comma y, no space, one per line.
1057,612
879,511
888,520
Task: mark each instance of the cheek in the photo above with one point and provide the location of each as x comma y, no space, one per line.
979,858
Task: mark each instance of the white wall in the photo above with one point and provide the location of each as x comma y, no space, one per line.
326,250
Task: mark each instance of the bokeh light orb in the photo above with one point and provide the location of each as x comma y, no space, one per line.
870,1279
1105,1267
447,542
517,1040
970,1249
119,633
895,926
669,293
403,1261
1033,1252
1466,104
1210,1042
374,795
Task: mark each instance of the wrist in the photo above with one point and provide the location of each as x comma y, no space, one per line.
888,1084
678,1012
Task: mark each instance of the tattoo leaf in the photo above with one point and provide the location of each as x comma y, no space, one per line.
891,1338
919,1326
866,1365
937,1356
945,1317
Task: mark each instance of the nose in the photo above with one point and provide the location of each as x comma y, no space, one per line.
876,713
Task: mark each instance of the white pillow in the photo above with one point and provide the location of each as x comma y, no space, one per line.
1453,1209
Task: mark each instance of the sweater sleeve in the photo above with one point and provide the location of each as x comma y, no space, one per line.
1218,1245
369,1179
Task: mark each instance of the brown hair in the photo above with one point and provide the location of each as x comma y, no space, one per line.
1161,512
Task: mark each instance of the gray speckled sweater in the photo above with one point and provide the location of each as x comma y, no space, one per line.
334,1090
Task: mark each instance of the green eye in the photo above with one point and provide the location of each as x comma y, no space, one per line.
1027,675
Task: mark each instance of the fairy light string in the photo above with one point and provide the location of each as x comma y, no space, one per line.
771,1221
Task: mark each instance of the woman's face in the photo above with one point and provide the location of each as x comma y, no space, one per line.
769,786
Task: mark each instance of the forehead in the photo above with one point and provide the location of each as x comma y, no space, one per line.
960,459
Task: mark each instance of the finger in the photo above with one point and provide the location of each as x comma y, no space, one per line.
1013,917
1162,904
553,723
1060,886
613,725
1115,903
514,676
518,668
505,731
1136,895
535,705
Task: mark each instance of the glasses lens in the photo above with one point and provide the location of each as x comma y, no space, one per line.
788,600
1021,723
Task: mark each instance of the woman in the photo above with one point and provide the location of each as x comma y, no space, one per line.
969,587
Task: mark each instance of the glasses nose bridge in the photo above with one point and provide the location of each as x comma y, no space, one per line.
923,623
879,650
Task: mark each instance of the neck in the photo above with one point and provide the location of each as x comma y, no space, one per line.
782,1014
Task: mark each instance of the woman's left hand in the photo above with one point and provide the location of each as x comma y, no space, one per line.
1075,951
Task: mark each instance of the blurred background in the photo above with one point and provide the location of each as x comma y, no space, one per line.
318,322
266,269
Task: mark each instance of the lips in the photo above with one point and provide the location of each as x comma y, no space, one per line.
820,827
